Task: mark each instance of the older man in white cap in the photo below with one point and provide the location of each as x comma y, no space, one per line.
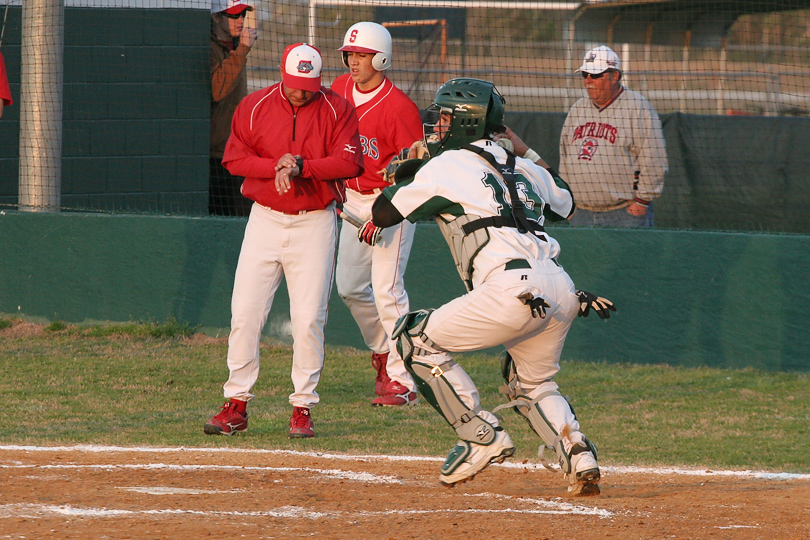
231,41
294,142
612,151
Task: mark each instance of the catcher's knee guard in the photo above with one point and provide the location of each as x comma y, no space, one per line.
406,328
432,381
435,387
532,410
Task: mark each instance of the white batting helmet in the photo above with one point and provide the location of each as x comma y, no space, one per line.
368,37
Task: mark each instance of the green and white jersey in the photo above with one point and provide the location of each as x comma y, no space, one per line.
459,182
602,150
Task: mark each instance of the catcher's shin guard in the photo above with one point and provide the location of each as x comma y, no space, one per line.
532,409
435,383
435,387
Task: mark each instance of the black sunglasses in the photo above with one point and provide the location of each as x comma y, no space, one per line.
585,75
237,16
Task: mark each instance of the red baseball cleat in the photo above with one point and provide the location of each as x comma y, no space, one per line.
378,362
395,395
301,426
231,419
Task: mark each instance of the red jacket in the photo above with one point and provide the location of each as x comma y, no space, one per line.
388,123
5,91
265,126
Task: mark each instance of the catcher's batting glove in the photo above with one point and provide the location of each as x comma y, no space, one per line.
536,304
369,233
600,305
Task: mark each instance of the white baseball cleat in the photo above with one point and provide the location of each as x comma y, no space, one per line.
583,481
467,459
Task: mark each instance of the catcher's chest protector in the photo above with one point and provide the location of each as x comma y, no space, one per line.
463,247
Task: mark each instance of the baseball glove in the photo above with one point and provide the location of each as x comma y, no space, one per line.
390,170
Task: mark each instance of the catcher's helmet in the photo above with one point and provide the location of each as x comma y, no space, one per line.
475,108
368,37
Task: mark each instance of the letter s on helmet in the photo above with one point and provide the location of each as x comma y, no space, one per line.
368,37
476,110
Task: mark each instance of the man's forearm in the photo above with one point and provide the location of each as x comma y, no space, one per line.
384,214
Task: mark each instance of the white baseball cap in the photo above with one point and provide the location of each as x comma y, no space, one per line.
302,66
599,60
234,7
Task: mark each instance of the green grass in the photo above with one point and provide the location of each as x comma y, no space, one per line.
149,384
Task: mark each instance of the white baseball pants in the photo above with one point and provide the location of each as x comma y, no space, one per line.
491,315
301,248
370,280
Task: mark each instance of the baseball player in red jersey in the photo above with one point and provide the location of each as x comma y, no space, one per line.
370,271
294,142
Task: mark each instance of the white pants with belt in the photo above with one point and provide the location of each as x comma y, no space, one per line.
302,249
370,281
492,315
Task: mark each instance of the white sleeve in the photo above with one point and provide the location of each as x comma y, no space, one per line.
559,199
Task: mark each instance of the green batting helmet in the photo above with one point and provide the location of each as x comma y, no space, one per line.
476,111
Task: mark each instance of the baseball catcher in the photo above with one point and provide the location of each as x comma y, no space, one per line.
491,207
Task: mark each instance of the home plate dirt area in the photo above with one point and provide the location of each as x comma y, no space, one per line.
92,492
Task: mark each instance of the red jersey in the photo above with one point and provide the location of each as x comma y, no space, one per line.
389,122
266,126
5,91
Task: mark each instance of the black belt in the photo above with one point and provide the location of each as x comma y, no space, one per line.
518,264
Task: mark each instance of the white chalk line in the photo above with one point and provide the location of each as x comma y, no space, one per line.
761,475
33,511
539,506
332,473
157,490
39,511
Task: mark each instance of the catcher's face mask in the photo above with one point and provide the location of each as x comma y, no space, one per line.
438,121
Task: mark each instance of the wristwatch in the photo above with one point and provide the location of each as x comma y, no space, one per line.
299,162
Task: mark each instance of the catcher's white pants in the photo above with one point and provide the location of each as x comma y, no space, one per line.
370,281
302,248
491,315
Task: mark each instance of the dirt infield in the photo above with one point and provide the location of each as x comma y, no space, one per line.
120,493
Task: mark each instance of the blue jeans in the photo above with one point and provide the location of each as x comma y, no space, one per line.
612,218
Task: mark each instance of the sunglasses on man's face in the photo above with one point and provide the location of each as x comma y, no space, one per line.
237,16
585,75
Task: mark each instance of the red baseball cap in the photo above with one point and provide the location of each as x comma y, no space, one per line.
302,66
233,7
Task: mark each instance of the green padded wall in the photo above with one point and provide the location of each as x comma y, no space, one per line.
684,298
725,172
135,113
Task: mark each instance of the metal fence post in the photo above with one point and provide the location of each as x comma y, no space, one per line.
43,31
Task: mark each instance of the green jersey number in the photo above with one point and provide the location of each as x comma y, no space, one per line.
533,203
